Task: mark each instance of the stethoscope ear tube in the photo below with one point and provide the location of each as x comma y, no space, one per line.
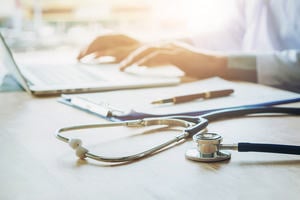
195,126
199,124
268,148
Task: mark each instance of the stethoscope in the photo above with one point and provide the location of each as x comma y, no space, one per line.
209,147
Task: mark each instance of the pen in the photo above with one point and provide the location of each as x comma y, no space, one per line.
191,97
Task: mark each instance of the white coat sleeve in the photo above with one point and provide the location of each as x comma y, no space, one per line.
279,69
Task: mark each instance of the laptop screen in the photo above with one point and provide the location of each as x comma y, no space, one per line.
9,63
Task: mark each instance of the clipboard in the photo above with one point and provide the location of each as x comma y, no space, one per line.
136,103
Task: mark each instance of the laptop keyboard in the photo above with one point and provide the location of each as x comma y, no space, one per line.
63,75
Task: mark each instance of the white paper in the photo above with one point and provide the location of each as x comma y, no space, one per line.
140,100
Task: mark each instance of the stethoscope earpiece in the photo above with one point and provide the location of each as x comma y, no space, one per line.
208,148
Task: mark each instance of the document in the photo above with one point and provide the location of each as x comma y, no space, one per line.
136,103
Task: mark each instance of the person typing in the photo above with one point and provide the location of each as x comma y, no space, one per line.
260,43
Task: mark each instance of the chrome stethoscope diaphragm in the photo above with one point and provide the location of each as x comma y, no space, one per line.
208,148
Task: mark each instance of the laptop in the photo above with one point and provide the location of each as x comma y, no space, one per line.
50,79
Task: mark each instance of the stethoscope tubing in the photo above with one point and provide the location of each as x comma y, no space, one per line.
247,110
268,148
192,125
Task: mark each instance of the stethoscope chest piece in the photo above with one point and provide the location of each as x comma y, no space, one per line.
208,148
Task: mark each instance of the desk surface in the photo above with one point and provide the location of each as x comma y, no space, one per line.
35,165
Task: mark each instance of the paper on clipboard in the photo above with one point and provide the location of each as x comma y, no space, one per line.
127,102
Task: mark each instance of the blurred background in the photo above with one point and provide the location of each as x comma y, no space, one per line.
46,23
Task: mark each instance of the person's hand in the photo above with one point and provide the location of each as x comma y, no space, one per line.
192,62
117,45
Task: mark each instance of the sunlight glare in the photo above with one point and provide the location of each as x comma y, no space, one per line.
207,15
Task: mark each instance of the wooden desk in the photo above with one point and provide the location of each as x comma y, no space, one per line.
35,165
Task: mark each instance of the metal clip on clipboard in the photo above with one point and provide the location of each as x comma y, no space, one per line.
102,109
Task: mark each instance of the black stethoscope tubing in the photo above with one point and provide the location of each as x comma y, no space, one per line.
202,121
241,111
